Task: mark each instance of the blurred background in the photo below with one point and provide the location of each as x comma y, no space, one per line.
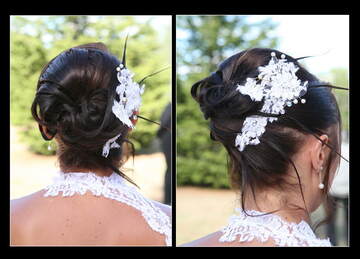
35,40
203,198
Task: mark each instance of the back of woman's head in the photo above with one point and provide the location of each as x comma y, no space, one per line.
265,164
74,99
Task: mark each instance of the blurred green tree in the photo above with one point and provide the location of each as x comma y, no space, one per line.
340,77
203,42
36,40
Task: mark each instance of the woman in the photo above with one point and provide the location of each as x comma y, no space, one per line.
86,100
281,128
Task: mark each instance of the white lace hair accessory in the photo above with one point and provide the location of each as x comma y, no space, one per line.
110,144
278,86
129,93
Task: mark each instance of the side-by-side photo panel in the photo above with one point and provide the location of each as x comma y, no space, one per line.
179,130
91,113
262,130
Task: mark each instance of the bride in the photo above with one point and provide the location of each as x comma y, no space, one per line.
281,128
86,100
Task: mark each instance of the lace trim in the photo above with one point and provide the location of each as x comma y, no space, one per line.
112,187
261,228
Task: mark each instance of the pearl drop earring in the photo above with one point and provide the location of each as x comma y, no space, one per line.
49,146
321,185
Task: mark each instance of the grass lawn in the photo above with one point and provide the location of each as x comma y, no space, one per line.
200,211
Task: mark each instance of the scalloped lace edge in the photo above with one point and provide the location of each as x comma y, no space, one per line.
263,228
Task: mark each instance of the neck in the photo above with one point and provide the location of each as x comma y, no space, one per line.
283,205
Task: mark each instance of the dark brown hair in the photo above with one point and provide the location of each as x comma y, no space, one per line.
265,164
75,93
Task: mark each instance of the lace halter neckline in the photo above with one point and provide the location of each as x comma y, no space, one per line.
264,227
112,187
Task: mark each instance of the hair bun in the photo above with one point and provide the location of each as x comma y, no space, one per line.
92,109
83,123
74,92
53,102
218,99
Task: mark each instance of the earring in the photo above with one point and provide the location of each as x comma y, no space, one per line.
321,185
49,146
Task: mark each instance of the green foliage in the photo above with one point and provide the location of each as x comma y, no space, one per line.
208,40
30,135
34,42
27,58
213,38
339,77
200,161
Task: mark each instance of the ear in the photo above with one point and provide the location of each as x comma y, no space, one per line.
318,154
46,134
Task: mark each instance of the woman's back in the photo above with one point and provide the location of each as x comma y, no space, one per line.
84,219
87,101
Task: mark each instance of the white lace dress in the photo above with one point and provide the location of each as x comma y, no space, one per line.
262,228
112,187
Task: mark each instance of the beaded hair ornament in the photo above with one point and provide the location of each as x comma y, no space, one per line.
278,86
129,95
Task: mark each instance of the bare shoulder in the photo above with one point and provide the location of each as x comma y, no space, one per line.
21,205
21,212
132,229
165,208
212,240
143,234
